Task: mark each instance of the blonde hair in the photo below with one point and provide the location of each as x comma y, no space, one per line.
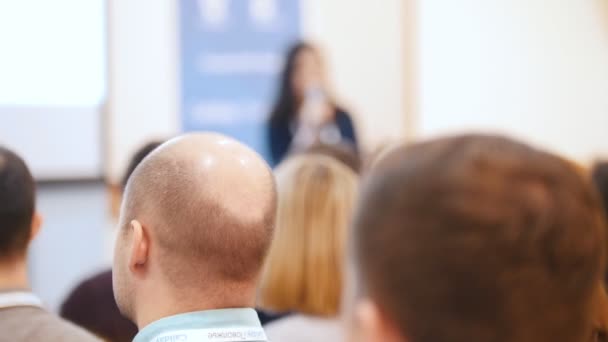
304,269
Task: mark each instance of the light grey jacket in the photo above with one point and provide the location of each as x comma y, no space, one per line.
34,324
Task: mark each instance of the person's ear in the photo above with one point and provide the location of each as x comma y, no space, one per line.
373,325
140,244
36,225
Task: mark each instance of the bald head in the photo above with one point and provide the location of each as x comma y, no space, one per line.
209,205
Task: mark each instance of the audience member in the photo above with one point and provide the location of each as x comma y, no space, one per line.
345,153
196,223
600,178
304,112
476,238
599,175
91,304
303,273
22,317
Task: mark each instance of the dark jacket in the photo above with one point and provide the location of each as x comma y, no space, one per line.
91,305
280,135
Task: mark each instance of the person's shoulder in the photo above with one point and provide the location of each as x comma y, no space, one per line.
267,316
342,114
101,277
99,281
304,328
343,119
304,320
96,284
63,330
88,295
35,324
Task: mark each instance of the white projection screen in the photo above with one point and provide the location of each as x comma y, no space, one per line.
53,85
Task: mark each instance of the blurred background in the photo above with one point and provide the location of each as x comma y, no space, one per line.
85,83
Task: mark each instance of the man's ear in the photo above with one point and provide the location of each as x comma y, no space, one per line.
140,244
374,326
36,225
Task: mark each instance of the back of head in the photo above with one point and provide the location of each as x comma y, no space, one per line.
345,153
480,238
304,269
207,205
17,202
137,158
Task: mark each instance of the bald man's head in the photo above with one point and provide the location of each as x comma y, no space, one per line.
207,205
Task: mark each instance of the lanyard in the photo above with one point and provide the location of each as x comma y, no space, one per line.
16,299
214,335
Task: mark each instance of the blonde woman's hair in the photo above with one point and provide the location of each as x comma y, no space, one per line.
304,270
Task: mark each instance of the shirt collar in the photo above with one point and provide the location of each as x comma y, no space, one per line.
222,318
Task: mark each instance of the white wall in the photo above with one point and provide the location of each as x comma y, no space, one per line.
361,38
537,69
143,85
363,41
73,241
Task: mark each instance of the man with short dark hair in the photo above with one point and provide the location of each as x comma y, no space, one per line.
476,238
21,315
196,223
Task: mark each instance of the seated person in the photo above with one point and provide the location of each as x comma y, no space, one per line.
303,273
345,153
196,224
599,173
22,317
476,238
91,304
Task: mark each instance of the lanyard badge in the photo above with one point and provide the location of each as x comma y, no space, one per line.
214,335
